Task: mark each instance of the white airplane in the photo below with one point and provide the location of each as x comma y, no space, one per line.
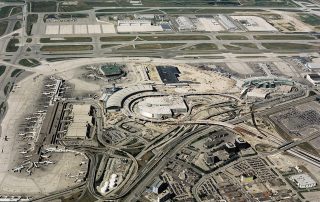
28,156
29,171
82,163
49,85
29,118
48,162
31,133
23,152
36,164
45,156
46,93
18,169
22,134
42,111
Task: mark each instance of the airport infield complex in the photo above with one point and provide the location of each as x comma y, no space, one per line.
143,100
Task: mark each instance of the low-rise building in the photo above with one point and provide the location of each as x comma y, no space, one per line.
213,143
313,78
303,180
218,134
184,24
211,160
241,143
158,186
230,147
164,196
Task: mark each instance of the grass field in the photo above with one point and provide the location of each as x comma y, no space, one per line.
3,27
290,46
43,6
117,38
231,37
119,10
16,72
310,19
190,3
269,3
245,45
284,37
66,39
230,47
151,46
12,45
5,11
2,69
201,11
202,46
7,88
66,48
108,45
17,25
29,62
31,19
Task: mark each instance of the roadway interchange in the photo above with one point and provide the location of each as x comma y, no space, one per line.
166,145
181,136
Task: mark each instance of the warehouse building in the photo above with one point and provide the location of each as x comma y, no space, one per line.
144,16
81,122
184,24
227,23
134,22
162,107
303,180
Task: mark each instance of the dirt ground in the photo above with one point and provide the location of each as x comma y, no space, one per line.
205,81
290,19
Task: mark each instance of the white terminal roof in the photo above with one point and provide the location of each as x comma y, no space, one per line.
81,109
184,22
314,65
77,130
134,22
139,28
117,98
81,118
303,179
162,105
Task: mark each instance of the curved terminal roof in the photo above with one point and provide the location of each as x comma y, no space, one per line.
116,99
